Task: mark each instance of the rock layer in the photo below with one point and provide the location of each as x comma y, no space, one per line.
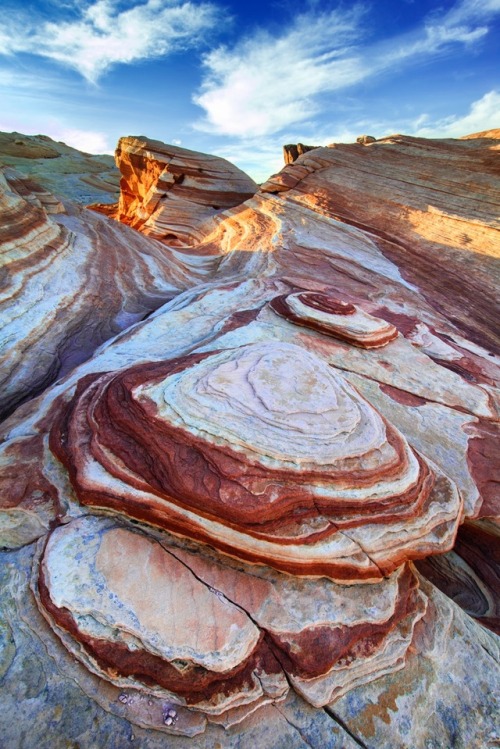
63,171
334,317
137,628
270,478
69,282
171,193
299,473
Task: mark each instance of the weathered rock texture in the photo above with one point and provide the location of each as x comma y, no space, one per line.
240,501
295,472
64,171
170,193
433,208
291,152
70,280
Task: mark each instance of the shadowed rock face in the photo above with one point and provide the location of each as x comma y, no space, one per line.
231,497
69,281
291,152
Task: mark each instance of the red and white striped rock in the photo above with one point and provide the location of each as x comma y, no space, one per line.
323,634
140,618
171,193
69,282
334,317
263,452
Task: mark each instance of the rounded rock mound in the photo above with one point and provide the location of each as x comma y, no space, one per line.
264,452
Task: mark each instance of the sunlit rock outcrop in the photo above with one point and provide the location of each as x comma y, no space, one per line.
432,206
171,193
334,317
292,151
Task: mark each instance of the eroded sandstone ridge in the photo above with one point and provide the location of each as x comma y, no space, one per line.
171,193
230,519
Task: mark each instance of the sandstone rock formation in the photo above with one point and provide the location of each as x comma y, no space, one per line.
334,317
70,280
365,139
291,152
170,193
432,206
66,172
243,503
298,473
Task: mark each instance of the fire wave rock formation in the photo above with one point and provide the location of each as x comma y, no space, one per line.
298,472
171,193
227,652
208,655
269,483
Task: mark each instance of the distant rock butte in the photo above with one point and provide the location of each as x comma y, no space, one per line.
238,502
291,152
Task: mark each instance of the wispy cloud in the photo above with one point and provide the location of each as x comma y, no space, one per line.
484,114
103,35
266,83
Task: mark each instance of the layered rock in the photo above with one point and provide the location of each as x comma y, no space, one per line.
470,574
296,472
215,654
334,317
430,204
69,282
171,193
292,151
271,477
64,171
134,625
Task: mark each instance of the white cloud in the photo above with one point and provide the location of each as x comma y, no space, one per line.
103,35
484,114
266,83
89,141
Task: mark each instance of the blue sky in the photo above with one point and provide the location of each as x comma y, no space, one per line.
241,79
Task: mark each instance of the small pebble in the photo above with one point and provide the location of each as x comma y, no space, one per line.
172,713
169,721
123,698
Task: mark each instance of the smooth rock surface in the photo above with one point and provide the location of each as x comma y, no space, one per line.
66,172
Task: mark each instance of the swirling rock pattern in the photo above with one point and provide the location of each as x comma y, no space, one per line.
69,282
298,472
228,648
208,655
334,317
